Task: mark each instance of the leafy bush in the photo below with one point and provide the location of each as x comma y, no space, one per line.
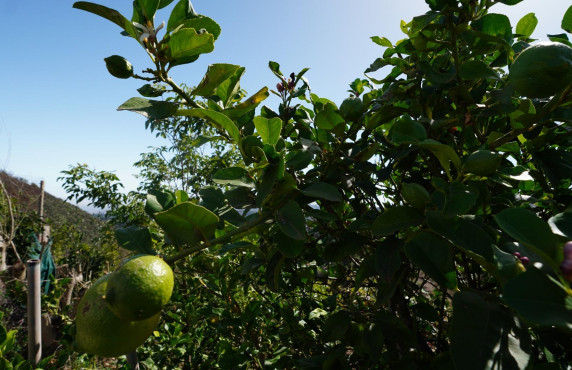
419,224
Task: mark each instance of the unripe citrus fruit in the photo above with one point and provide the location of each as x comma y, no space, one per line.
100,332
351,108
139,288
542,70
482,163
118,66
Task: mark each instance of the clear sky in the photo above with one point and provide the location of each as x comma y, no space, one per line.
58,102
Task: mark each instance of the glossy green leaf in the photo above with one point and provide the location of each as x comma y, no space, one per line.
152,109
202,24
463,233
216,74
291,220
229,88
526,25
218,119
561,224
395,219
188,223
135,239
236,176
567,20
477,69
381,41
529,229
497,25
182,10
484,335
158,201
275,68
322,190
150,91
432,254
407,131
186,42
328,118
109,14
539,299
148,8
444,153
268,129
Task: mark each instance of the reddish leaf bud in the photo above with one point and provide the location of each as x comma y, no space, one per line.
524,260
566,268
280,87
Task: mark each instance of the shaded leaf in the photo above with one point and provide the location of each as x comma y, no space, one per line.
539,299
236,176
322,190
444,153
561,224
328,118
219,119
484,335
152,109
432,254
288,246
395,219
407,131
529,229
463,233
291,220
477,69
135,239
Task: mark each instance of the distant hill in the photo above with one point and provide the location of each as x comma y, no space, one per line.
56,210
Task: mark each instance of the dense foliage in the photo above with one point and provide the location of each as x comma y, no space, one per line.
421,223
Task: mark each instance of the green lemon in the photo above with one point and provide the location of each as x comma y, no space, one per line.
351,109
118,66
542,70
139,288
102,333
482,163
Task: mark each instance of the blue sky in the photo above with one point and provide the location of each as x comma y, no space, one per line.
58,102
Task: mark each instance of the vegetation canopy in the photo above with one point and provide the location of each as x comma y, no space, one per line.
420,224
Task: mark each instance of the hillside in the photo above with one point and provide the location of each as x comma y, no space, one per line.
56,210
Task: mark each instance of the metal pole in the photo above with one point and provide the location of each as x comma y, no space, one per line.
41,213
34,312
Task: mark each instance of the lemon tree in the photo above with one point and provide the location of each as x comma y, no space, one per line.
422,223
